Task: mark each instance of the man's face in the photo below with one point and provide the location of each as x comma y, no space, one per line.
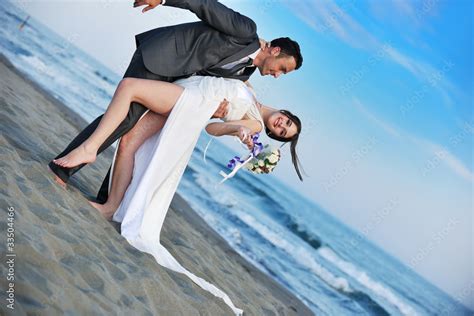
275,64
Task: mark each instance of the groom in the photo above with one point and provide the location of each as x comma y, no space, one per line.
223,44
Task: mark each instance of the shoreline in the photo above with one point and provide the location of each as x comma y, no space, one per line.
71,259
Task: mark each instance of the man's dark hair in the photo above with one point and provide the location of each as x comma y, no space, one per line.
290,48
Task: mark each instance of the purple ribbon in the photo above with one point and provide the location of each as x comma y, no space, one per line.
233,162
257,148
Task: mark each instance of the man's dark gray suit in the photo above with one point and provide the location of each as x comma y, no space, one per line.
170,53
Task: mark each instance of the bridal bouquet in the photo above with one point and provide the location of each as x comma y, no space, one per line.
265,161
262,159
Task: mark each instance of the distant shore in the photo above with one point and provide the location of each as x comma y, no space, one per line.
68,259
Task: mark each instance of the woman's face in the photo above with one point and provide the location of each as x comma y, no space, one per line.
281,125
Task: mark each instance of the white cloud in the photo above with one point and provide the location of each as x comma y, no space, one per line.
384,125
441,153
436,152
328,17
405,7
413,12
454,163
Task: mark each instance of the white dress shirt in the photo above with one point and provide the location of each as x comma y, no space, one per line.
241,61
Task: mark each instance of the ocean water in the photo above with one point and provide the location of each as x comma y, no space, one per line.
330,267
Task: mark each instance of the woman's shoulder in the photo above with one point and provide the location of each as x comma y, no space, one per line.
254,113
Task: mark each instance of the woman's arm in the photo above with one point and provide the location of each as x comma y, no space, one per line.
232,128
242,129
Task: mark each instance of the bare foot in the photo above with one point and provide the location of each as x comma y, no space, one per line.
107,211
57,179
76,157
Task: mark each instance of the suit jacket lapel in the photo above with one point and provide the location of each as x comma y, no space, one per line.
244,52
217,71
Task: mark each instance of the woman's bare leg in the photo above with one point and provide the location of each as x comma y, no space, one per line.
158,96
149,125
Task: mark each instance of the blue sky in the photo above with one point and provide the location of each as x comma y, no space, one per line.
386,89
385,94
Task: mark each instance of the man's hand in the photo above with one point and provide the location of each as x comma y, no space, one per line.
221,110
151,4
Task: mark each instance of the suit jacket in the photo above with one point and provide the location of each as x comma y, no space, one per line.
222,36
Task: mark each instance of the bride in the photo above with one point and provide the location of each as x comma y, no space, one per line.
179,112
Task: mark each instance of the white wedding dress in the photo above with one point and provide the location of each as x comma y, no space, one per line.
162,159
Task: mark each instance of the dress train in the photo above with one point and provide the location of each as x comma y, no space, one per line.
159,165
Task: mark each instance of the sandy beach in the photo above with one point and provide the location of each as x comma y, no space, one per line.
69,260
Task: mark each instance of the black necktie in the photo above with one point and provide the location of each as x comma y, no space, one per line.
246,64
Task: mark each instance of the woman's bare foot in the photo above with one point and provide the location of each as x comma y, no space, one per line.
76,157
106,209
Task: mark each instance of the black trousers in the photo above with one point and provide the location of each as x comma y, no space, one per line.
136,69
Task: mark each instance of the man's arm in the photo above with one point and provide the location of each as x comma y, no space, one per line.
213,13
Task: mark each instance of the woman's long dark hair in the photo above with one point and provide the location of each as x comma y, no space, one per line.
293,140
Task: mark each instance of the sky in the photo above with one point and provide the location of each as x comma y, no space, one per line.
385,96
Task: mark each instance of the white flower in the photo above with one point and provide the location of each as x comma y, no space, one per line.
265,161
273,158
